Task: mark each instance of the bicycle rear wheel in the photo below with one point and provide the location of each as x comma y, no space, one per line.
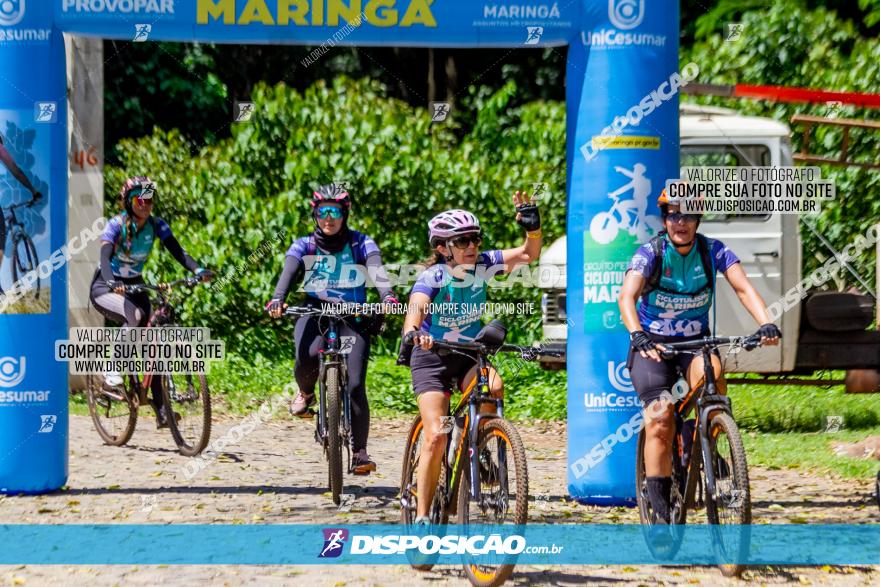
439,510
504,495
188,404
25,260
333,446
731,504
112,413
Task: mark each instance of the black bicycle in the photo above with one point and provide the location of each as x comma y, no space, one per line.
187,401
484,475
24,253
708,462
333,426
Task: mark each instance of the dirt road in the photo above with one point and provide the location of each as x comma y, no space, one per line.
276,475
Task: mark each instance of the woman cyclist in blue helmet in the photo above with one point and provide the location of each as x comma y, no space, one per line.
335,246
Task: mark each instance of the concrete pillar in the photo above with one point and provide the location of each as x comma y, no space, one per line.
85,121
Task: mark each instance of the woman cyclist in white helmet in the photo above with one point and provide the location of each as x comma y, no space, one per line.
455,282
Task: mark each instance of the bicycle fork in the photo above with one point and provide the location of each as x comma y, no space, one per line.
706,405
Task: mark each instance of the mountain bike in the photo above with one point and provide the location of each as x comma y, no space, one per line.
484,475
333,425
24,253
187,401
708,462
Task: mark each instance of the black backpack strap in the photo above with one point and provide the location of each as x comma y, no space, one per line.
356,248
653,281
709,269
706,259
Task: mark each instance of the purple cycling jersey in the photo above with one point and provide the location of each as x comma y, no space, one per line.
335,277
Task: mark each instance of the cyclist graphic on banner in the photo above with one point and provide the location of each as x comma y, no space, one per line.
23,234
629,214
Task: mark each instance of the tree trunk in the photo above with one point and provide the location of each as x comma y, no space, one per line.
451,80
432,85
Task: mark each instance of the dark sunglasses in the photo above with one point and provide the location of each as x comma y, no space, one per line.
464,242
678,216
142,201
329,212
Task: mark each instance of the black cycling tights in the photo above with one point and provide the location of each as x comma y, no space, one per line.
309,341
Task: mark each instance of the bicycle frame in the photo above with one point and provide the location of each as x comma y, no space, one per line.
708,400
161,314
473,396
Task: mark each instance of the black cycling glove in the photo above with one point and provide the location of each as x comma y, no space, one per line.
414,333
273,305
113,284
530,218
640,341
769,331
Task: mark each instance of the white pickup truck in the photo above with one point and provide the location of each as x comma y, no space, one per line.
826,331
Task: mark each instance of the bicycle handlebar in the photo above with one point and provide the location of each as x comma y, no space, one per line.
674,348
528,353
356,310
139,287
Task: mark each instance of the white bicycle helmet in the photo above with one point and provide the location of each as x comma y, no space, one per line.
450,224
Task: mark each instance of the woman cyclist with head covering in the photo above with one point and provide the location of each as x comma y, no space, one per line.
333,246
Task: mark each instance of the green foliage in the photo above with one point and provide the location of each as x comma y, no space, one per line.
143,79
228,205
789,45
872,11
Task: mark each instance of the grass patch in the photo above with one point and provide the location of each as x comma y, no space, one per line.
809,452
794,408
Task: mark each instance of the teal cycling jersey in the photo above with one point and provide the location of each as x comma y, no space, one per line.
680,304
131,251
457,305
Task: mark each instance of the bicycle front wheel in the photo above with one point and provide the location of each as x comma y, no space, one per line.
25,260
731,504
112,413
188,404
333,446
503,496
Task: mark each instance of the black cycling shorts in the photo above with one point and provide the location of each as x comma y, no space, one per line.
650,378
433,372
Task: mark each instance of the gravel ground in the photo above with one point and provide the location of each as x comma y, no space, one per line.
276,475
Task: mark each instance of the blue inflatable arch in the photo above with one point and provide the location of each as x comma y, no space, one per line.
622,142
